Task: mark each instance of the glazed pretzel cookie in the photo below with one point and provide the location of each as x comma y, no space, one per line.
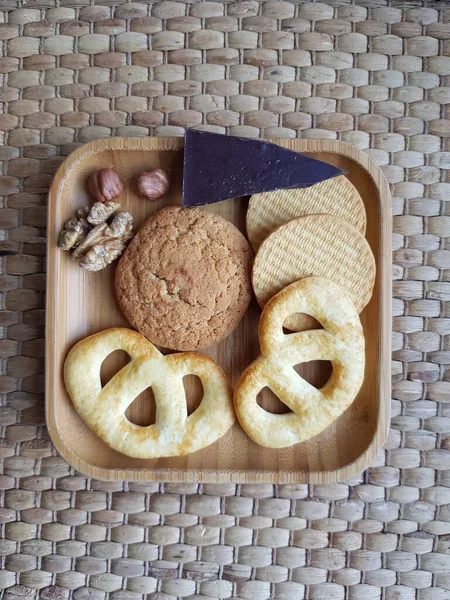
341,342
174,433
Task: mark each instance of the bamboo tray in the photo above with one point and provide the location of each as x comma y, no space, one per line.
80,303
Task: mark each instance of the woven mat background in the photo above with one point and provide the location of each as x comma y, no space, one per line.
372,75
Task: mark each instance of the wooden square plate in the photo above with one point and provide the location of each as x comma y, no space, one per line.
81,303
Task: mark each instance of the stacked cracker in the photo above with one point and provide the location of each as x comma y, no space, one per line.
316,231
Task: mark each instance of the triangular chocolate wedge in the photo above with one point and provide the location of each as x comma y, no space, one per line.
218,167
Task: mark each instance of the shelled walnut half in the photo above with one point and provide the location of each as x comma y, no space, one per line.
97,236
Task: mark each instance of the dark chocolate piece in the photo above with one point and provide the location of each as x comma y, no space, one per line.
218,167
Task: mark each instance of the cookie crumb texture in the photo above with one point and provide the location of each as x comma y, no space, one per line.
184,280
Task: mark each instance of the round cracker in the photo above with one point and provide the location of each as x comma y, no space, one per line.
314,245
269,210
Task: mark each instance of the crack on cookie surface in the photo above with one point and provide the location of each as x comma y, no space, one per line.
184,271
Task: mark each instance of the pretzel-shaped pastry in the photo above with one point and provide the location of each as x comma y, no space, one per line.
341,342
174,433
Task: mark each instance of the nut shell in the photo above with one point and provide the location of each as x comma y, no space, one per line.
153,184
105,185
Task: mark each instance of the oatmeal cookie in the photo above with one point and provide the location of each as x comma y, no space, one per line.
184,280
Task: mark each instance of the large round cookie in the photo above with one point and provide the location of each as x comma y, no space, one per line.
314,245
269,210
184,280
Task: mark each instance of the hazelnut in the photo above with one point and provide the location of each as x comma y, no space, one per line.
153,184
105,185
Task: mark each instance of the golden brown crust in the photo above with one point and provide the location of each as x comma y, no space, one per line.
174,433
341,342
184,280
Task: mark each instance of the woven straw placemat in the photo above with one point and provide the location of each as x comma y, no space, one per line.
373,75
